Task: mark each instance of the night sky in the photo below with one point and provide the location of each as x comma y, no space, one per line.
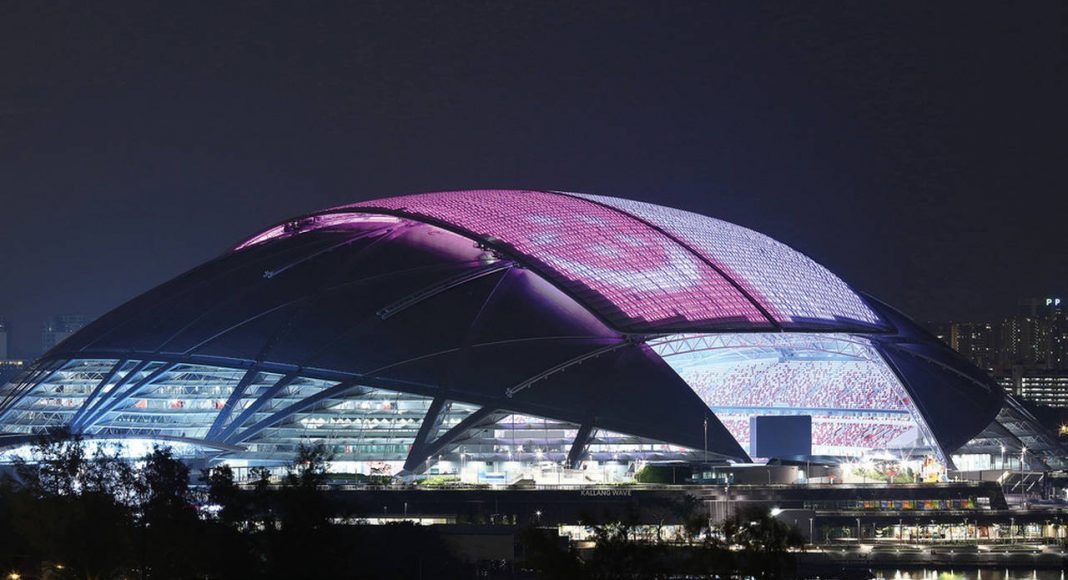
917,150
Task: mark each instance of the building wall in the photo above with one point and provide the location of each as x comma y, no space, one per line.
1045,387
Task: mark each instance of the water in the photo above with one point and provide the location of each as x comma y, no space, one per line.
969,574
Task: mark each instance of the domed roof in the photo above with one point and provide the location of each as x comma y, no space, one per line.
604,315
639,266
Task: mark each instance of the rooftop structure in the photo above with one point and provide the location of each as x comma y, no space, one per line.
500,330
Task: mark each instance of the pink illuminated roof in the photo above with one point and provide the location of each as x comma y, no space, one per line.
631,274
641,267
790,285
317,222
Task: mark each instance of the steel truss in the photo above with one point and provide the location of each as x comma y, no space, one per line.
260,413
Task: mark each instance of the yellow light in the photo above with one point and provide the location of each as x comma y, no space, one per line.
14,576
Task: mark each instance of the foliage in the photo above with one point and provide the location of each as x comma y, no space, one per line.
663,474
86,508
360,479
439,481
876,475
751,544
765,541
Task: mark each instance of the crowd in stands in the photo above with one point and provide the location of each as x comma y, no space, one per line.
868,435
852,432
797,384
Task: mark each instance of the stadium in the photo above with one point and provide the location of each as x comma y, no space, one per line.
501,335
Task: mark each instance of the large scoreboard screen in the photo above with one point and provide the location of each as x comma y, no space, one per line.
780,435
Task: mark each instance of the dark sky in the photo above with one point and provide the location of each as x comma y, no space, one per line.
919,150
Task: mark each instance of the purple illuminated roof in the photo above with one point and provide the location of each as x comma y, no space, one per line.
317,222
790,285
630,273
640,266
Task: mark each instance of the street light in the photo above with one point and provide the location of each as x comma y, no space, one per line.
706,439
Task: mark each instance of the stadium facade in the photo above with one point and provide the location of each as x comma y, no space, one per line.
510,329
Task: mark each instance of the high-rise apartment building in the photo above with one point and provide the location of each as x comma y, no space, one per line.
1027,352
977,341
1037,337
1045,387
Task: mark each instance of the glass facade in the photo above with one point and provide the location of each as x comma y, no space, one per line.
251,417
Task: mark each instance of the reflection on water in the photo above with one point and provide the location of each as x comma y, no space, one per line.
968,574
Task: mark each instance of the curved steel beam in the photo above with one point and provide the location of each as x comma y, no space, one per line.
303,404
416,462
90,403
31,381
431,420
114,398
258,404
581,444
510,392
268,274
247,379
441,286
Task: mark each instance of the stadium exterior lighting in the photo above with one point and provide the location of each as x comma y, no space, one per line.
642,332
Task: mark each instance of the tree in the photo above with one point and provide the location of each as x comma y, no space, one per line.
224,492
303,503
171,529
69,510
305,533
544,552
57,464
165,482
765,541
